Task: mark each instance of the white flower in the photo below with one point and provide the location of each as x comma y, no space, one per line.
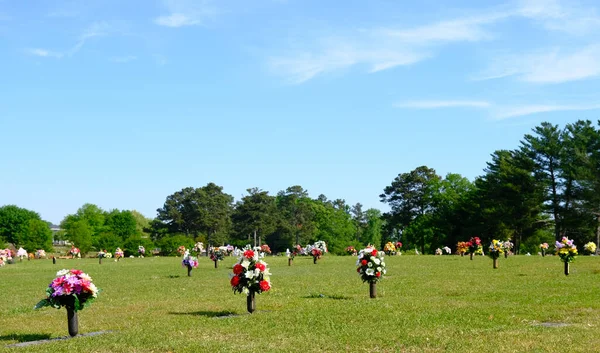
249,274
384,271
85,276
376,261
378,269
62,273
245,290
370,264
245,264
370,272
382,263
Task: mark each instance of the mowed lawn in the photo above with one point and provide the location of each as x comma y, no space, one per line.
426,304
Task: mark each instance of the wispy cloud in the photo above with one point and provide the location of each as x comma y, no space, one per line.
566,17
44,53
517,111
186,13
434,104
548,66
123,59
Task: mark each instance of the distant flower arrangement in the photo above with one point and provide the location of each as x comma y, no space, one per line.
74,252
389,248
438,251
70,288
198,248
370,265
21,253
447,250
496,249
398,245
41,253
318,249
566,249
544,246
590,248
119,253
216,254
475,246
181,250
102,253
189,260
351,251
508,245
141,251
462,247
250,274
265,249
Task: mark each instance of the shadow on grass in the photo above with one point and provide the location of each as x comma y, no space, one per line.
173,276
222,313
28,337
323,296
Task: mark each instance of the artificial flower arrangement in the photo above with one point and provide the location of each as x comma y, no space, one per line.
462,247
317,250
74,252
351,250
250,275
590,248
229,249
72,289
447,250
216,254
181,250
507,245
108,255
438,251
567,252
119,254
566,249
41,253
398,246
389,248
198,248
544,247
21,253
102,253
265,249
141,251
371,267
475,246
496,249
189,261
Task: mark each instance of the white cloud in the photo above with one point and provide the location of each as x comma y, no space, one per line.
557,16
44,53
434,104
523,110
548,66
123,59
186,13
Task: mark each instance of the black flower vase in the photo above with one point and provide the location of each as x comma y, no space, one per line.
53,260
543,252
189,267
216,263
373,289
100,260
566,268
471,254
72,321
290,261
506,254
251,302
495,263
314,260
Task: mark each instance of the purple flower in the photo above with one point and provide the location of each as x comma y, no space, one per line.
559,245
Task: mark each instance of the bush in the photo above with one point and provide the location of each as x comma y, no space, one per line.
168,245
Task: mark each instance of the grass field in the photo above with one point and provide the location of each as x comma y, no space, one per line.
426,304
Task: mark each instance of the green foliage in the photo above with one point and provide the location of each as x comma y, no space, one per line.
14,221
168,245
36,235
131,246
121,223
80,234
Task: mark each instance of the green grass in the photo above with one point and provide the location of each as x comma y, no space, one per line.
426,304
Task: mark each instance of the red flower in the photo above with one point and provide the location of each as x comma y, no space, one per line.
264,286
374,252
76,272
364,262
378,274
358,270
237,269
235,280
248,254
260,267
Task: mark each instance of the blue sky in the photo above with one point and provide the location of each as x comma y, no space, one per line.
121,103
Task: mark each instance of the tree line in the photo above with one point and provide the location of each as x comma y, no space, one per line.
546,188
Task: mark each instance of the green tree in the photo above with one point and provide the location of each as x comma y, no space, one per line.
80,234
256,216
36,235
373,231
15,221
121,223
296,215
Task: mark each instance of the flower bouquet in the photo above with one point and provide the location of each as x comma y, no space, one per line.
462,247
101,255
475,247
398,247
119,254
265,249
544,247
438,251
507,245
41,253
371,267
567,252
351,251
108,255
590,248
496,249
318,249
181,250
216,255
447,250
389,248
74,252
72,289
198,248
190,262
21,253
141,251
250,275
